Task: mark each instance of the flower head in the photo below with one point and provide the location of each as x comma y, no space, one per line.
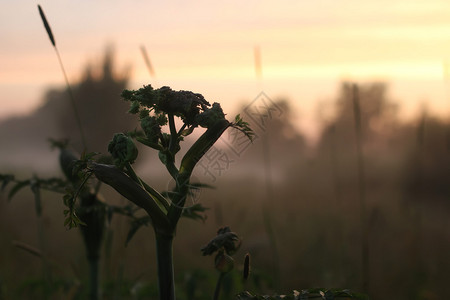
210,116
184,104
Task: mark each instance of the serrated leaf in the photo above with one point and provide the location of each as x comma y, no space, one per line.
18,187
5,179
79,222
199,185
35,188
73,221
30,249
135,226
194,212
244,127
53,184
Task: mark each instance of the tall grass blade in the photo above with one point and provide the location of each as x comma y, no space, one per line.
47,26
69,89
27,248
335,173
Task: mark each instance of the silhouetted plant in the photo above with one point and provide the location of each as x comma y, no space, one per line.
91,212
318,293
157,109
226,243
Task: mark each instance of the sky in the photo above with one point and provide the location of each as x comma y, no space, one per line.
307,48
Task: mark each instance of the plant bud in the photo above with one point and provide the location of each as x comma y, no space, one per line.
223,262
122,149
246,266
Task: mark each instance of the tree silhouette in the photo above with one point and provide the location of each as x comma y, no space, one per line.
101,110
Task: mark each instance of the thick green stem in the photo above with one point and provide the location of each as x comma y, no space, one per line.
131,190
178,200
159,199
166,281
91,211
132,173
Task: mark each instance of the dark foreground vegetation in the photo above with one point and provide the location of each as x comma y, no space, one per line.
296,208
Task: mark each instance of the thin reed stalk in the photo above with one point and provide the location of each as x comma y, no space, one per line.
94,233
69,89
41,237
361,190
266,207
46,271
218,286
147,61
338,200
267,219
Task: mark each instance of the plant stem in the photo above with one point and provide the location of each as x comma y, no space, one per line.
93,278
218,286
338,200
266,208
166,281
362,191
72,100
41,237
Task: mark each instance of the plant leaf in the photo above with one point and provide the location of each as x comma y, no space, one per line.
5,179
195,212
135,225
19,185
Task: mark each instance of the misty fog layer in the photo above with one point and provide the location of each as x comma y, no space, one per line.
308,196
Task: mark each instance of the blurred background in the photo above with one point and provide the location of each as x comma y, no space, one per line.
293,69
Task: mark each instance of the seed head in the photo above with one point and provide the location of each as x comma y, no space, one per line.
47,26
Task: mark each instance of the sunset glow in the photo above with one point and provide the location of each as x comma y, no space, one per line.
210,45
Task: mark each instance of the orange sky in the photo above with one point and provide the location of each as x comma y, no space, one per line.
207,46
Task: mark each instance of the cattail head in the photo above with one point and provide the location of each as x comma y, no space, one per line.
47,26
246,266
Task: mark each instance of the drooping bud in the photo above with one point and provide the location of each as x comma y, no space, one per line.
122,149
223,262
